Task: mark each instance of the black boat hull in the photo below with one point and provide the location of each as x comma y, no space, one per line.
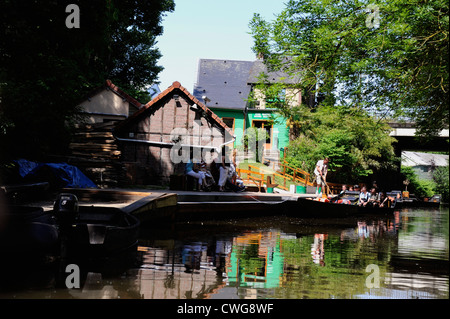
28,231
306,207
100,232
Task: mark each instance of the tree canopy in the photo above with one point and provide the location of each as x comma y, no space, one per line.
388,57
46,67
358,145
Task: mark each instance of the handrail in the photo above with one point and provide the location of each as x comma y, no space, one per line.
284,181
268,172
295,177
296,172
249,178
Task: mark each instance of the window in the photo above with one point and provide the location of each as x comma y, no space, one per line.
265,125
229,121
281,97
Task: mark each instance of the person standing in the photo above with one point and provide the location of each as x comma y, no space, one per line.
321,171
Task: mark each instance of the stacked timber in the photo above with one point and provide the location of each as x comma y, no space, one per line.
94,150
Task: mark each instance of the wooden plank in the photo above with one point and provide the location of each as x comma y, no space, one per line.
154,206
93,146
105,194
94,134
97,154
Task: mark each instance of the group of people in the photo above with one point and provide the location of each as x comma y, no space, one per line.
223,170
373,198
366,199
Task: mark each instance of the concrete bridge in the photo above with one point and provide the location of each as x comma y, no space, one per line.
407,140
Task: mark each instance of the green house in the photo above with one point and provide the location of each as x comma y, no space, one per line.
226,85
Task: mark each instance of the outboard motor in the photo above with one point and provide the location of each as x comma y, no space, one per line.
66,208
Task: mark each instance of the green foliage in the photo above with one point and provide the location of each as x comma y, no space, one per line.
389,57
441,180
47,68
420,188
254,140
356,144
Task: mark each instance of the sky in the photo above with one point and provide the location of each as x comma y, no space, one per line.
208,29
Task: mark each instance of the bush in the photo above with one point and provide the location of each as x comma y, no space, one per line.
419,187
440,178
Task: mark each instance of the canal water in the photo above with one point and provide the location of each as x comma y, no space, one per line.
401,256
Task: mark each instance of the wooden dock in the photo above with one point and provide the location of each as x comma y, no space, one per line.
172,206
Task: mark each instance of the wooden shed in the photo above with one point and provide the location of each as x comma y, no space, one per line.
155,140
108,103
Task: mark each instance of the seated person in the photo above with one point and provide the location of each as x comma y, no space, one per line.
343,191
338,198
363,197
193,170
223,166
373,197
209,179
383,200
234,180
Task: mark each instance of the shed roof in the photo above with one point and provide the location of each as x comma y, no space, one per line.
175,88
115,89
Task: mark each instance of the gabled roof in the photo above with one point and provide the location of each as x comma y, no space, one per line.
259,67
224,82
227,83
115,89
175,88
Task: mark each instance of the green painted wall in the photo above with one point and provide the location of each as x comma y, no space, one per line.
238,122
280,130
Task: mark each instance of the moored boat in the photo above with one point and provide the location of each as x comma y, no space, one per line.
324,208
28,231
94,231
218,206
412,201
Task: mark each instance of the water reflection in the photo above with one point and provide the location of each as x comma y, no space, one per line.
278,258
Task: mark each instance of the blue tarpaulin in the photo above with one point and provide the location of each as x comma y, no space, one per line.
25,166
61,175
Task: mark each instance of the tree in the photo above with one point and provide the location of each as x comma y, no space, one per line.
441,180
46,67
357,144
389,57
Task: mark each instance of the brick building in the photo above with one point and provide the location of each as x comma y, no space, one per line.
155,140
